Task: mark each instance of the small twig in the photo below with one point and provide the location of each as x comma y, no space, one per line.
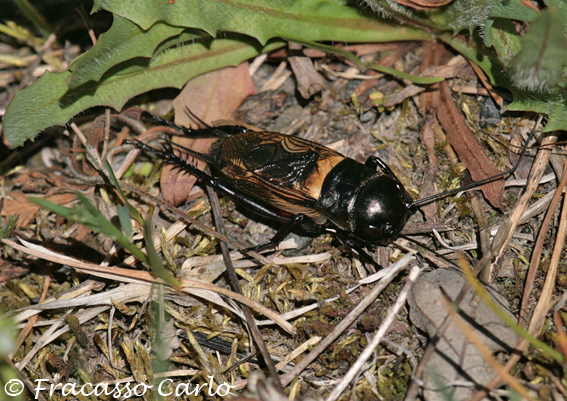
507,228
542,307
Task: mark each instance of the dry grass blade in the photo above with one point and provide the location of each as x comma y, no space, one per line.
75,292
128,293
536,254
130,275
543,304
508,228
56,330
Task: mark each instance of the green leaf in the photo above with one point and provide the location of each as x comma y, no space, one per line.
49,102
313,20
125,222
128,206
542,63
329,49
486,58
123,41
505,39
554,105
86,213
459,15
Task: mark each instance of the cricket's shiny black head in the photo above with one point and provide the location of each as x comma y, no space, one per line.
381,210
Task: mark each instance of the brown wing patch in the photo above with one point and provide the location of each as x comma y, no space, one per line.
279,170
314,181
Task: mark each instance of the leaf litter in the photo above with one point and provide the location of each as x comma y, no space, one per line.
120,307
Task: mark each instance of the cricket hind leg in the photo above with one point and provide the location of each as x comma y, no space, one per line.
219,185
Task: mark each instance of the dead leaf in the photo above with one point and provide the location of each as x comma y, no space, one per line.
309,82
212,96
466,145
454,354
17,203
434,55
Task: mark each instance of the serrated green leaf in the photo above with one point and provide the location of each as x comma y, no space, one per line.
314,20
458,15
541,65
554,105
505,39
470,14
123,41
48,102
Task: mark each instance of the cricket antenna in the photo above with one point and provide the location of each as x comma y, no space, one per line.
197,118
421,202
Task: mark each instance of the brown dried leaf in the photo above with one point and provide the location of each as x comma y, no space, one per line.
309,82
17,203
466,145
212,96
455,358
434,55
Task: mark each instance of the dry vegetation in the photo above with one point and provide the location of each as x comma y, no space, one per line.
88,311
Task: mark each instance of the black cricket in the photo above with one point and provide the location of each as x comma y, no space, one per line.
300,182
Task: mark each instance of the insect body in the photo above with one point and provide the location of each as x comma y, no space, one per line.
297,181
